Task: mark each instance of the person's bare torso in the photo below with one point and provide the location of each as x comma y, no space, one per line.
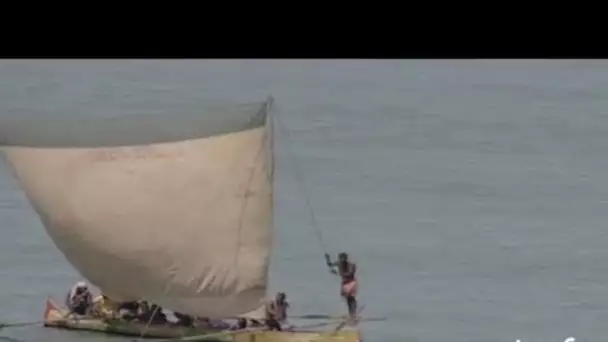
347,272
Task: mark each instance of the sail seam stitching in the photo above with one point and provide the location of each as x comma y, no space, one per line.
239,243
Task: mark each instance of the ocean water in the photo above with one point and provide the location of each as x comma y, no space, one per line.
472,194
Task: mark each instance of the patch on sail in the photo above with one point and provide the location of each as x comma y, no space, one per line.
130,153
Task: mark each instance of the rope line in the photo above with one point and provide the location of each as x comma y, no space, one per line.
300,181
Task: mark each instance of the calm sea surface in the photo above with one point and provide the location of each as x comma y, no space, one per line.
472,194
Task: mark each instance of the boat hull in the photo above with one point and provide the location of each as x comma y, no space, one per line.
55,317
298,336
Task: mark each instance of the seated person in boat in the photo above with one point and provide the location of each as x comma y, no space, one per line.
152,314
128,310
348,288
104,307
203,322
276,312
183,319
79,299
255,323
159,316
241,324
143,311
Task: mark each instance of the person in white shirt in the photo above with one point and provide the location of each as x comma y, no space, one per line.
79,299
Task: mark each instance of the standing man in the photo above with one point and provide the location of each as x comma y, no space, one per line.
346,270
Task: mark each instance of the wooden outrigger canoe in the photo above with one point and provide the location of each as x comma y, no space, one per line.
57,317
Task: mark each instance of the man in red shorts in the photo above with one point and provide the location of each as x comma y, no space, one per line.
346,270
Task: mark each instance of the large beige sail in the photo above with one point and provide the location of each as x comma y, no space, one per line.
182,219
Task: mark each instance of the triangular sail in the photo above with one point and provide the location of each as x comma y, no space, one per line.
179,214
